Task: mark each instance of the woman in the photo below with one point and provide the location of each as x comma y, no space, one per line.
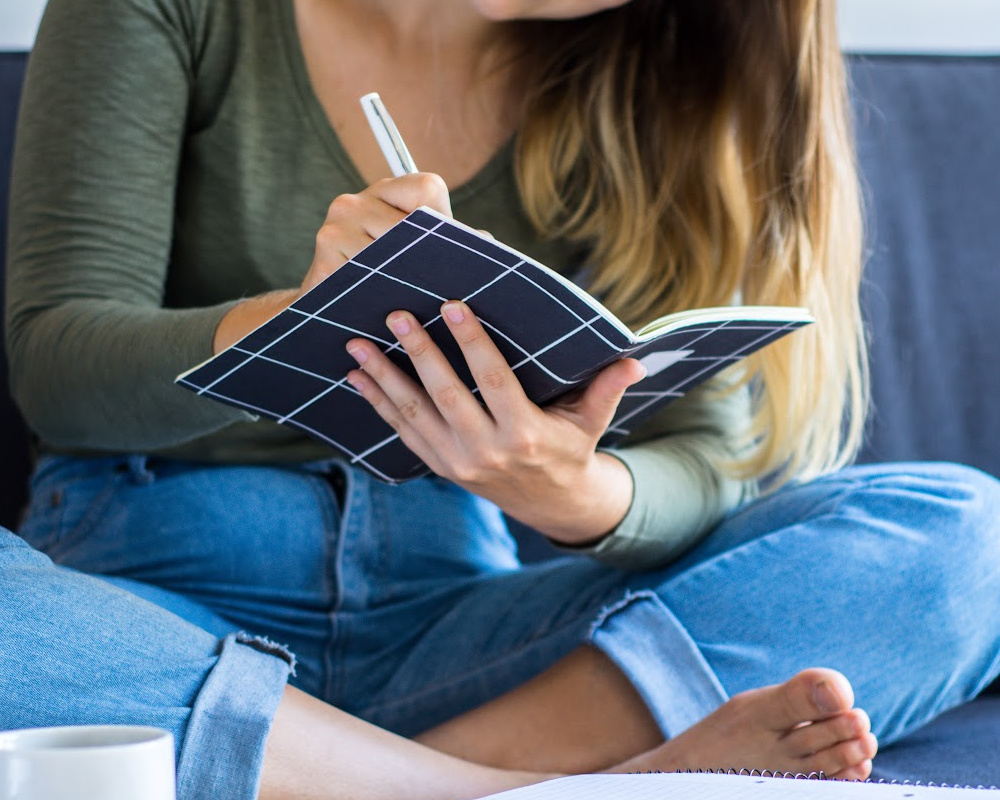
673,154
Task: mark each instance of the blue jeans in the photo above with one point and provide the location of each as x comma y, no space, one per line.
407,605
76,651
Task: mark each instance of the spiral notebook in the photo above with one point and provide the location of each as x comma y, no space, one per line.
716,786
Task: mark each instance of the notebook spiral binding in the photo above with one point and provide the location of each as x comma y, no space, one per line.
820,776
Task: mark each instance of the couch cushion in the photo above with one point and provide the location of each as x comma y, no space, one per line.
930,156
960,748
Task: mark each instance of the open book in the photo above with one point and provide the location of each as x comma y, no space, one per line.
555,336
712,786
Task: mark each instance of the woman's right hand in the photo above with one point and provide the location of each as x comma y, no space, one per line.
352,222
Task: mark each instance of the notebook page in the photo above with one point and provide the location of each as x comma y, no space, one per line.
685,786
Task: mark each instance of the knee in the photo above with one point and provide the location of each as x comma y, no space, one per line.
16,553
947,505
945,519
957,507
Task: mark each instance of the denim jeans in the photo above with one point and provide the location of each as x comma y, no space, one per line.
75,651
407,605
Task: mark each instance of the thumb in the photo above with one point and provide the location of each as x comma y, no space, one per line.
595,408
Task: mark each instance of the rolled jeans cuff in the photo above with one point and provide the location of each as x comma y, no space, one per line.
223,751
655,652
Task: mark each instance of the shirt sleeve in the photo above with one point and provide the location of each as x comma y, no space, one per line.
93,351
681,489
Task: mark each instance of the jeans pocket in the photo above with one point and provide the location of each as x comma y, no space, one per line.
69,497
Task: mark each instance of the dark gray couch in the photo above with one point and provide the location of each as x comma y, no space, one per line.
13,436
930,153
929,147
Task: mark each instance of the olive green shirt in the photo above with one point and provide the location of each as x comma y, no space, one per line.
171,159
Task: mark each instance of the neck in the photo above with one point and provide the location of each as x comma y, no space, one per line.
440,67
451,24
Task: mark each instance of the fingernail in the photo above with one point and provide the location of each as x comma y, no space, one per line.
826,698
399,325
454,312
358,354
356,381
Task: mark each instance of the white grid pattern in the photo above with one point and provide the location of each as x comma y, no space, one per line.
713,364
521,267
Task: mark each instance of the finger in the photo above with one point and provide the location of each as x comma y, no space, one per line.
360,218
408,404
452,398
372,392
353,221
595,408
408,192
498,385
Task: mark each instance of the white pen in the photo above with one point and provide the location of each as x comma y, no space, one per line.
387,135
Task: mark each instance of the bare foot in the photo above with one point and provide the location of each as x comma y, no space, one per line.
807,724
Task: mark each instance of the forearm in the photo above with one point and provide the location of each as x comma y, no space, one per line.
680,472
587,514
681,494
99,375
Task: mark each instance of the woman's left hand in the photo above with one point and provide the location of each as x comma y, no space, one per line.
539,465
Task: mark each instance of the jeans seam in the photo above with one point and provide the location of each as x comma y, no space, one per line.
430,688
336,536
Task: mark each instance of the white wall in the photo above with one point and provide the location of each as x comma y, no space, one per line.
18,23
921,26
935,26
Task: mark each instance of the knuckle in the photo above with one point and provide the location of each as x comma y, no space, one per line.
418,349
432,184
326,237
478,467
410,410
494,461
468,472
344,205
493,379
447,397
525,443
464,471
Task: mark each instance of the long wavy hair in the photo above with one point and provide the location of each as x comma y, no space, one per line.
702,150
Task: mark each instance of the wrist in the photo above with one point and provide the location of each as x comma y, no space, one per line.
246,317
606,496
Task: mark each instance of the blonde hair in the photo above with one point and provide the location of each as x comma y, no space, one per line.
702,149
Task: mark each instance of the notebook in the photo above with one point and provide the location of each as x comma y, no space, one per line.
554,335
715,786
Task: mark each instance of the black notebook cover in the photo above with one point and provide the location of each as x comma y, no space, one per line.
292,369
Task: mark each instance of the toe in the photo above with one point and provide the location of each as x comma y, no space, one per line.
821,735
813,694
846,758
858,772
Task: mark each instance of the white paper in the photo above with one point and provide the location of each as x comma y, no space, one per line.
707,786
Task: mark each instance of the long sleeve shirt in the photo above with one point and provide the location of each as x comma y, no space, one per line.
173,159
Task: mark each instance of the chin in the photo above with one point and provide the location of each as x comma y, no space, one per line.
499,9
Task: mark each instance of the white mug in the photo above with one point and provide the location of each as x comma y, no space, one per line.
87,762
